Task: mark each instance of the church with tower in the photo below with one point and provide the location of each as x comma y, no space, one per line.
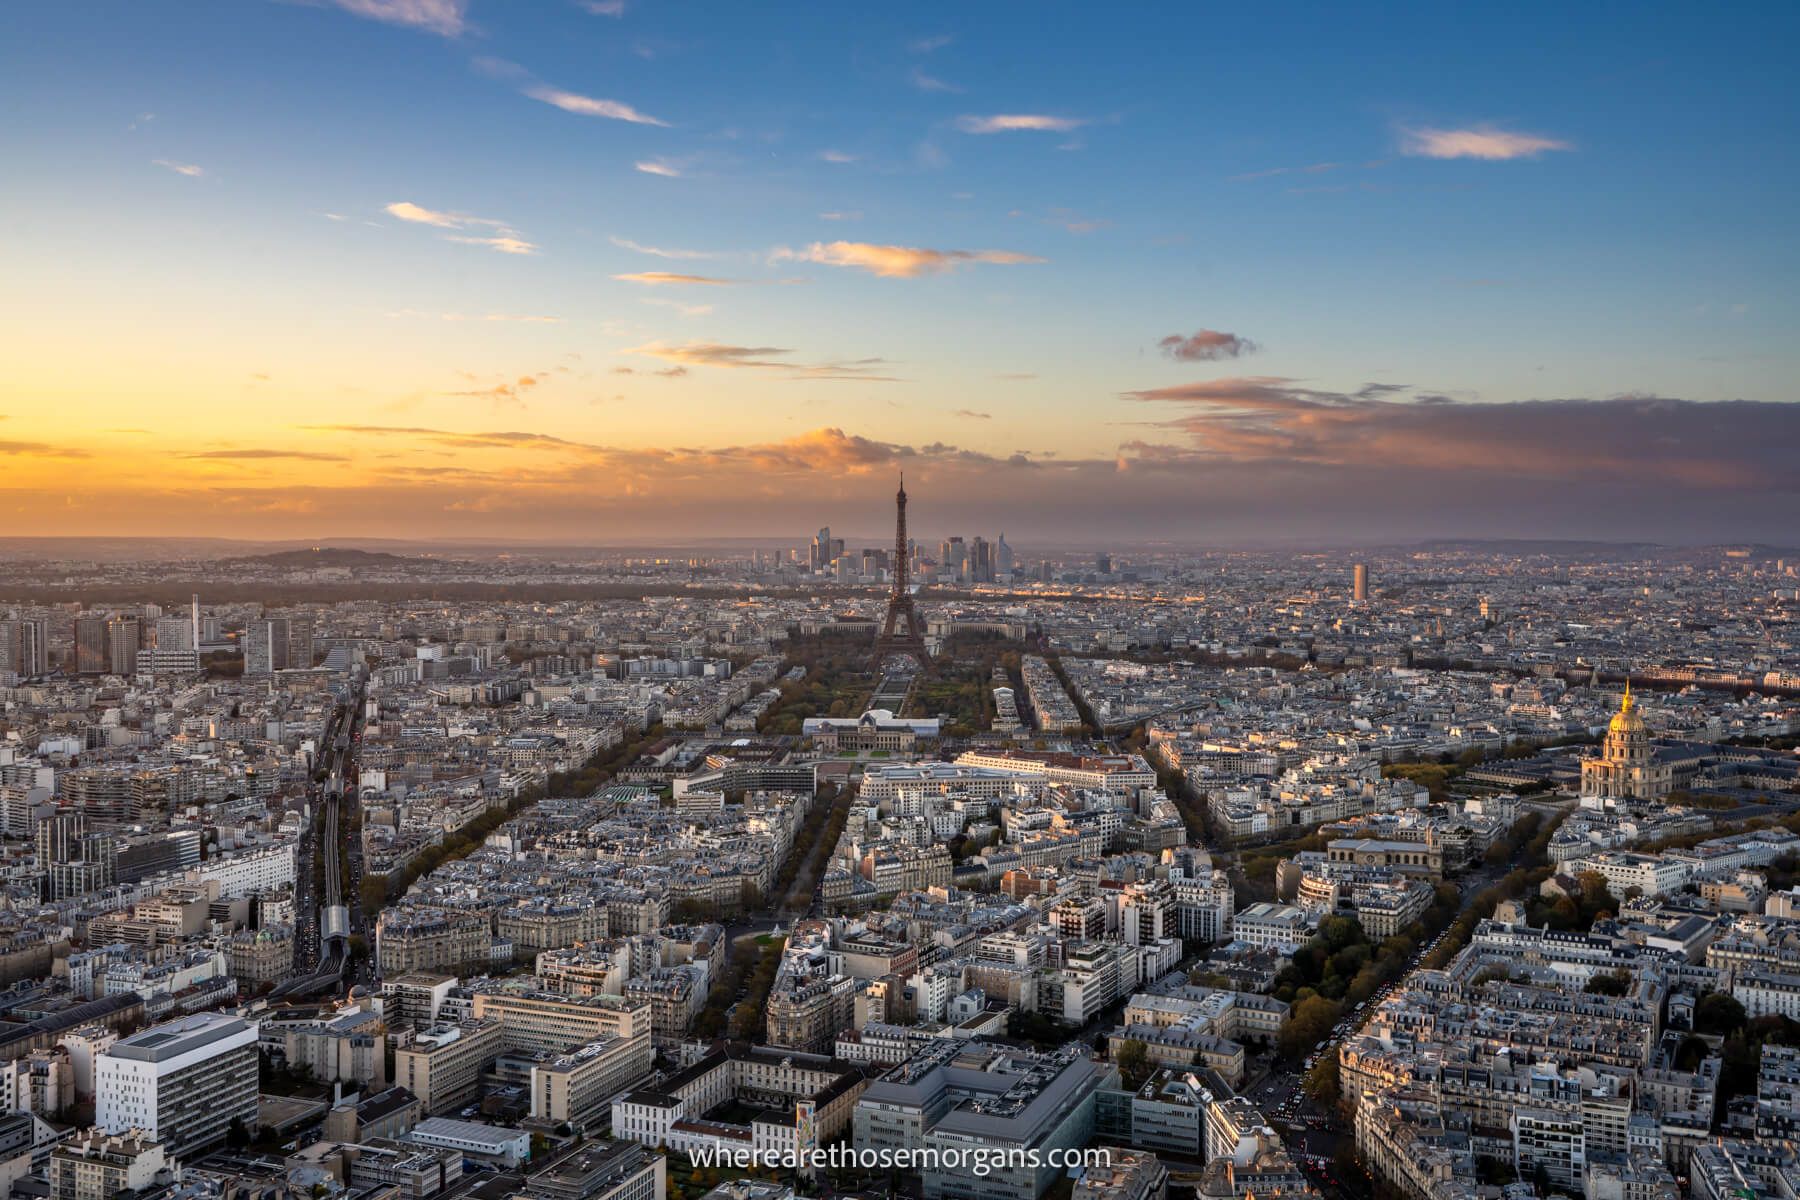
1626,767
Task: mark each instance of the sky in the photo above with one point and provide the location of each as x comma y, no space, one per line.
611,270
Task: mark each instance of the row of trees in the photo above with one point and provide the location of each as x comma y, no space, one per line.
745,982
799,873
692,911
380,890
1517,883
747,1021
1316,1013
1174,784
818,838
1341,968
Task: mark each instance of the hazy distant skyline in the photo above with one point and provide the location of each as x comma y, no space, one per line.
626,270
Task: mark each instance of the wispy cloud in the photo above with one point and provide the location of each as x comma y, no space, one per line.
502,244
816,454
898,262
715,354
926,45
255,454
1483,141
446,18
590,106
603,8
931,83
851,215
764,358
666,278
507,392
41,450
1208,345
972,414
180,168
499,68
686,310
836,156
1074,222
661,251
1018,122
1312,169
406,210
504,239
139,121
484,440
658,166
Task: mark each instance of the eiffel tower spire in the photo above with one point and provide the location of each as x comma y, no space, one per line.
900,611
902,559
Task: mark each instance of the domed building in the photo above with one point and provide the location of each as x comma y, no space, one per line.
1626,767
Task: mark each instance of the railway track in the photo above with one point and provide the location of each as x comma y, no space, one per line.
332,916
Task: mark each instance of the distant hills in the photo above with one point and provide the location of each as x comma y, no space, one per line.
324,556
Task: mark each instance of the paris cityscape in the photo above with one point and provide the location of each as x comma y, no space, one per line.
607,600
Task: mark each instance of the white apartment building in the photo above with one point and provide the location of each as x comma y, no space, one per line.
1767,993
1276,926
249,871
182,1082
1650,874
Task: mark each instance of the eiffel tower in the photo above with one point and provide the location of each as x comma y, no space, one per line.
900,602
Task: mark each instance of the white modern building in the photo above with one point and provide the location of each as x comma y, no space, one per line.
1649,874
264,869
1280,927
182,1083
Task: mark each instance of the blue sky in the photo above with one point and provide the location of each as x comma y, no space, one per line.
275,235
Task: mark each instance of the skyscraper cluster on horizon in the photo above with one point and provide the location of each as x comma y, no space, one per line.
958,560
